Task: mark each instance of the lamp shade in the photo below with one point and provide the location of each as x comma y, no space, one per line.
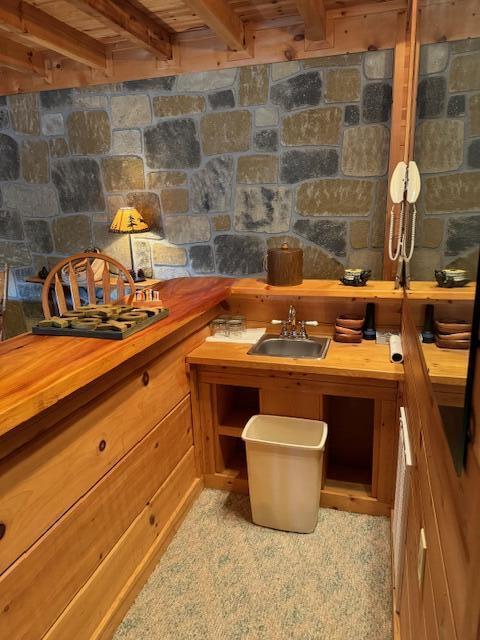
128,220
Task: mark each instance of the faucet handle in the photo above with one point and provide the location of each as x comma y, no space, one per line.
302,332
311,323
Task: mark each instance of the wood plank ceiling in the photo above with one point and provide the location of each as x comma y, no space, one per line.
37,35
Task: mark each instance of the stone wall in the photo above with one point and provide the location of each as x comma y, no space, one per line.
447,150
221,164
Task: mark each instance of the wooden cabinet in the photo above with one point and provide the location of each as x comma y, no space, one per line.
90,503
362,421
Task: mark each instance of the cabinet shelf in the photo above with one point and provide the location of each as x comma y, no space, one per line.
234,421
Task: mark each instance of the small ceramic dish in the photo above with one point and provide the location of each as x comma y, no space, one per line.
355,277
347,331
341,337
455,336
452,344
350,322
453,326
450,278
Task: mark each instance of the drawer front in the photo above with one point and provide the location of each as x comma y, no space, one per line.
43,479
65,557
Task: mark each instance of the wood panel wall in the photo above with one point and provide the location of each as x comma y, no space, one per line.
446,603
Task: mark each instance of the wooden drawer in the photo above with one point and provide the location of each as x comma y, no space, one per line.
44,478
45,579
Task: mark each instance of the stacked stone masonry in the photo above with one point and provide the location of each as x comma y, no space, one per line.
221,164
447,150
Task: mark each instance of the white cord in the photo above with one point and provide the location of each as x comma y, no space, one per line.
412,245
391,255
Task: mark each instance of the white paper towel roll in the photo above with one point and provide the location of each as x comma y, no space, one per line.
396,349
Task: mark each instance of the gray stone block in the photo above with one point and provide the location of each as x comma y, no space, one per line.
240,255
304,90
38,236
324,233
150,84
431,96
462,233
262,209
9,158
266,140
78,184
172,144
211,186
297,165
201,258
221,100
10,225
56,99
377,102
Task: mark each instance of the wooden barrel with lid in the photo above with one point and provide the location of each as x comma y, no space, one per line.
284,266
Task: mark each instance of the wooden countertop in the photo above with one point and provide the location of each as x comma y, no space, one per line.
373,290
430,292
364,360
38,371
446,366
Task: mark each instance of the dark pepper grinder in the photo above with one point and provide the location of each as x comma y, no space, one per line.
369,331
428,335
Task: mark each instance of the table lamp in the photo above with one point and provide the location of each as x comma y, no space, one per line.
129,220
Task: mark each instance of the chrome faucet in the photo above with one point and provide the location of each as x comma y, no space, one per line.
293,329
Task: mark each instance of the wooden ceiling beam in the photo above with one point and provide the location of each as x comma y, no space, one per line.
131,23
222,20
314,16
44,30
19,58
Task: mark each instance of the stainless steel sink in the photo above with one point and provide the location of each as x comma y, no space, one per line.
270,345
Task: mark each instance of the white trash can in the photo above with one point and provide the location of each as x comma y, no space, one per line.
284,460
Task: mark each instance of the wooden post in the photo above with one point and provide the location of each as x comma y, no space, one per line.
405,75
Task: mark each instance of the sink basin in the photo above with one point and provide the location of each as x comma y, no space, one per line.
276,346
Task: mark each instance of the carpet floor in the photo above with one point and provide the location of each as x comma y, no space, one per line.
224,578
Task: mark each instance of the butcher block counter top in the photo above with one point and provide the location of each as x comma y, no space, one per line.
364,360
38,371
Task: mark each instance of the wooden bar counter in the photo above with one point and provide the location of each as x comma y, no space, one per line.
37,371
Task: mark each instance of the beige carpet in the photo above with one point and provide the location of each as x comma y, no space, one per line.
224,578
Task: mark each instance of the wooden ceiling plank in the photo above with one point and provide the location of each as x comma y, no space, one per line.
222,20
130,22
19,58
313,13
44,30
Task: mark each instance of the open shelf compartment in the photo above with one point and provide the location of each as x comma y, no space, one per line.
235,406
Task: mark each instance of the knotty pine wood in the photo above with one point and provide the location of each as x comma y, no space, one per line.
320,300
69,455
350,29
65,557
366,360
38,371
450,504
373,291
428,292
279,393
406,62
296,404
109,592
